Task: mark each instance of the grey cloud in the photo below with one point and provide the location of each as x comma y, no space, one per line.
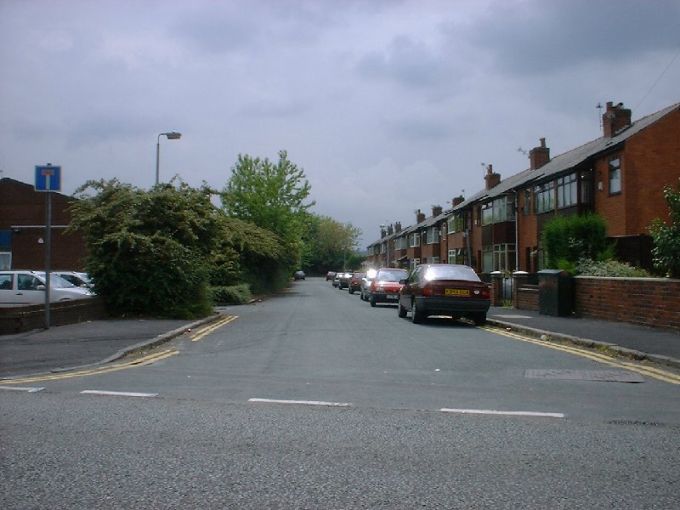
423,129
538,36
273,109
406,62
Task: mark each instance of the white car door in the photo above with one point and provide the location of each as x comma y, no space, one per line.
30,290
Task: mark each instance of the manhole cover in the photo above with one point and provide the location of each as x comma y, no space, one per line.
622,376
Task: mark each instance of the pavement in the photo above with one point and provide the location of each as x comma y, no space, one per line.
103,341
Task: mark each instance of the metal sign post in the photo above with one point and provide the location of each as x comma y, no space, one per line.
48,179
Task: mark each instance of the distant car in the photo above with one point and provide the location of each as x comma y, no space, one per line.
28,288
366,283
444,289
355,282
330,275
385,287
299,275
343,279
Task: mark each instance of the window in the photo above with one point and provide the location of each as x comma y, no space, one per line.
544,196
401,243
499,211
455,224
5,282
487,214
415,240
432,235
27,282
5,261
435,260
614,175
415,263
499,257
567,191
457,256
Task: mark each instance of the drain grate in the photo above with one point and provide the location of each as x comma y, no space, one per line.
622,376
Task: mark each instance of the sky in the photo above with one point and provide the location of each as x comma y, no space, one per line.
388,106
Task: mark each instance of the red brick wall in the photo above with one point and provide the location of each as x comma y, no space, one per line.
527,298
647,301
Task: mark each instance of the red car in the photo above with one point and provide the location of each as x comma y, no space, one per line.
355,282
385,286
444,289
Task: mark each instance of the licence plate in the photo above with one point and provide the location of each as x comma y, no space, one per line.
392,296
456,292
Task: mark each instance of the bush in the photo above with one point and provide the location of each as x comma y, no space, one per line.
608,268
570,238
231,295
666,251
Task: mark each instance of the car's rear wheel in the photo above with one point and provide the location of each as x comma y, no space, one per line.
351,290
402,310
416,315
371,299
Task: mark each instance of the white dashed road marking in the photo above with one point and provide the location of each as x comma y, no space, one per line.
27,390
118,393
503,413
301,402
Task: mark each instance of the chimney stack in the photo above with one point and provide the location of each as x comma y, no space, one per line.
397,226
390,229
539,156
420,216
436,210
492,179
615,119
457,200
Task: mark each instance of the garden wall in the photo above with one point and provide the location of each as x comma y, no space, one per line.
26,318
648,301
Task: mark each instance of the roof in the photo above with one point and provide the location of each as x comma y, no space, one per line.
569,159
555,166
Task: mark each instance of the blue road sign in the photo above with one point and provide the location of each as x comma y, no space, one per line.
48,178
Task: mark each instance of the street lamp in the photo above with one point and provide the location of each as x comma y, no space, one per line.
171,135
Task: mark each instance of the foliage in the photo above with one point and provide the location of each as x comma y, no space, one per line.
666,251
608,268
272,196
329,245
570,238
148,252
231,295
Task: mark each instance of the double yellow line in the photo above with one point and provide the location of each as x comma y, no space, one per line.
205,331
654,373
139,362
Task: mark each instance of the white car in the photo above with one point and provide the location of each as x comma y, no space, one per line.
76,278
28,288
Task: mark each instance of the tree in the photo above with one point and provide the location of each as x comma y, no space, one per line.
272,196
666,251
329,244
149,252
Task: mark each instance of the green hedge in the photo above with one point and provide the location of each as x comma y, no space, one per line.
231,295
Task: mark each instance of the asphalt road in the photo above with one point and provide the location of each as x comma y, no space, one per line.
313,399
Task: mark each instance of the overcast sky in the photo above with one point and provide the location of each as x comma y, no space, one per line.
388,106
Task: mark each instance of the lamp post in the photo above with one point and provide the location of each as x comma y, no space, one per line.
171,135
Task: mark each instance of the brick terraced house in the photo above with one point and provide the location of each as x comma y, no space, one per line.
620,176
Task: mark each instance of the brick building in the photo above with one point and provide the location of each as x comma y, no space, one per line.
22,229
620,176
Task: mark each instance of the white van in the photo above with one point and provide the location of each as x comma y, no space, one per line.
28,288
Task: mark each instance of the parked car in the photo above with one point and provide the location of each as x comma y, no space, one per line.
77,278
385,287
366,283
355,281
343,279
330,275
299,275
28,288
444,289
